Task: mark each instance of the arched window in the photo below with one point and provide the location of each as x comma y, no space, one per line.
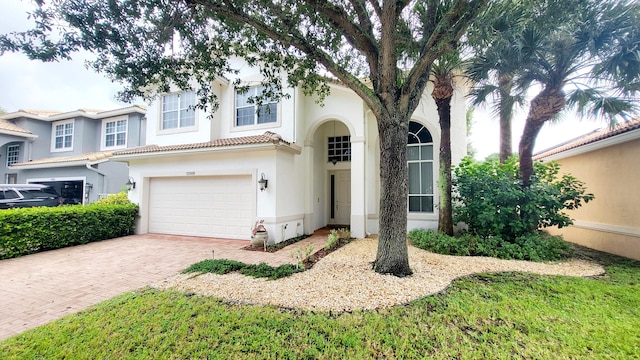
420,163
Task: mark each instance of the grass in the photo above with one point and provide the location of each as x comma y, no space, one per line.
509,315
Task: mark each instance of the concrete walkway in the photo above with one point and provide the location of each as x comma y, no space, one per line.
43,287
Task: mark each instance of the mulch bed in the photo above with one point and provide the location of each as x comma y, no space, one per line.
311,260
315,257
276,247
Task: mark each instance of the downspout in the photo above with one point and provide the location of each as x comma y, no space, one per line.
104,176
295,117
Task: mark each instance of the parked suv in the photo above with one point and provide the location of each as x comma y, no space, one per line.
27,195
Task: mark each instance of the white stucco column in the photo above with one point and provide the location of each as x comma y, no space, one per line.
308,188
358,186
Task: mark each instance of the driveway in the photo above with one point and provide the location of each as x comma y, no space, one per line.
43,287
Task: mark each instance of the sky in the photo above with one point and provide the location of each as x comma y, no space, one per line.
69,85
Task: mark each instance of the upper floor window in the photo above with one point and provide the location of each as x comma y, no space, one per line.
250,113
13,154
62,135
178,110
115,133
339,149
420,163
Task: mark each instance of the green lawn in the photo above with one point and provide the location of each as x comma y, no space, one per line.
486,316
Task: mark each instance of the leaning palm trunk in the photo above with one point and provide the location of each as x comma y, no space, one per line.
544,107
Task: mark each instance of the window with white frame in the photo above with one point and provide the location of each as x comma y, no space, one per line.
250,113
13,154
62,135
339,149
115,133
178,110
420,164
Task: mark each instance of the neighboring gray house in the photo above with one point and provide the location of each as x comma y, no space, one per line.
70,150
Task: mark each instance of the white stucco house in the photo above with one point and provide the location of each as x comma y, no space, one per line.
200,174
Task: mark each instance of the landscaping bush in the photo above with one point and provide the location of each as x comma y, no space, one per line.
121,198
28,230
535,247
439,242
263,270
223,266
335,235
220,267
493,202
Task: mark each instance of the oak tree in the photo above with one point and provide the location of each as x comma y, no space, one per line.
381,49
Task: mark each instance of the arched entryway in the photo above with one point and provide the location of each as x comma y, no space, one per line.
331,174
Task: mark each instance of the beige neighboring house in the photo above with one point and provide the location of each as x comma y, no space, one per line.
608,162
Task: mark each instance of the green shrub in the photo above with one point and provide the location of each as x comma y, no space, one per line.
535,247
493,202
28,230
223,266
218,266
121,198
437,242
543,247
335,235
332,239
263,270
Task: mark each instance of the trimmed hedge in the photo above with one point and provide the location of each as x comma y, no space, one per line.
28,230
224,266
533,247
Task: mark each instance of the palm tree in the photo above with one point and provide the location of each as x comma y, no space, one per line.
591,64
496,62
442,74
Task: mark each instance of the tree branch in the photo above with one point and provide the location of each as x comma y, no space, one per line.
293,38
361,38
376,7
388,70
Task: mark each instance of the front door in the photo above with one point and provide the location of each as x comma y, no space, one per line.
340,197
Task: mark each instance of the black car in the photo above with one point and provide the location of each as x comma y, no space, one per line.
27,195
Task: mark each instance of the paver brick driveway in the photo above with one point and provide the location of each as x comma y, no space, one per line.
39,288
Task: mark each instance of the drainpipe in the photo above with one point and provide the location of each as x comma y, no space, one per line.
295,117
104,176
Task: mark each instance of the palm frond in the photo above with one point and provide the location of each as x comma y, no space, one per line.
480,94
598,104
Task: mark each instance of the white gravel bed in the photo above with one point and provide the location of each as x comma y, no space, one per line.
344,280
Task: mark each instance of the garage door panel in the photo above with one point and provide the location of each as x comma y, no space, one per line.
217,206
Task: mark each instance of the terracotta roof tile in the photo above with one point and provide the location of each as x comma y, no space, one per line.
266,138
41,112
47,115
9,126
89,157
589,138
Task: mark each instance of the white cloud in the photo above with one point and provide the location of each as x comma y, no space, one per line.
63,86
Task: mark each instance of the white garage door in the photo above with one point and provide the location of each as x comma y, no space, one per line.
216,206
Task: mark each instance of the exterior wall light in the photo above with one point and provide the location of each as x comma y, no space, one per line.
262,182
131,184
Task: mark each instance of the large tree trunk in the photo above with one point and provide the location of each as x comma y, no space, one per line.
506,110
544,107
445,212
392,257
